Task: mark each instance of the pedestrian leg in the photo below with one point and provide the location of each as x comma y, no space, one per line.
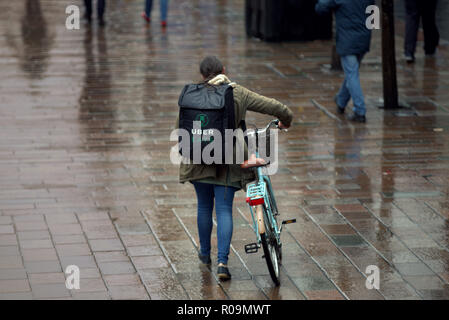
164,11
343,96
431,34
101,5
148,7
205,197
88,14
351,65
411,27
224,198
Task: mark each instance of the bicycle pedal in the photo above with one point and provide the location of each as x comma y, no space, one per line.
251,248
289,221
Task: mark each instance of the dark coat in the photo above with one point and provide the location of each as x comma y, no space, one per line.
353,37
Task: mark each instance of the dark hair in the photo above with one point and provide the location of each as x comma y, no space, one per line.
210,67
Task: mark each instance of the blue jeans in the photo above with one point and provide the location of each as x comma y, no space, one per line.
101,4
206,193
351,87
163,5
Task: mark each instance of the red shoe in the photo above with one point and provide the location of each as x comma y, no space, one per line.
163,24
145,17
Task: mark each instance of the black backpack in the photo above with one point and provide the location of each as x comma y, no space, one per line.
212,108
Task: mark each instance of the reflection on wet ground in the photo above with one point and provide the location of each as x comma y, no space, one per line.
86,177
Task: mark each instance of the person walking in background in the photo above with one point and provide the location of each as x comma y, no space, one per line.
101,4
415,11
164,11
353,42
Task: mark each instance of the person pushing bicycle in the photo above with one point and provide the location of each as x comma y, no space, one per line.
221,181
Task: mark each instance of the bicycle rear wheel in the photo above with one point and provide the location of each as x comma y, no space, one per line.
271,249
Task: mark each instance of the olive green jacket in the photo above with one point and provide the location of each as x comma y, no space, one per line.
233,175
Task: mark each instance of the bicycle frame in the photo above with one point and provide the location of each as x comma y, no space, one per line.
255,193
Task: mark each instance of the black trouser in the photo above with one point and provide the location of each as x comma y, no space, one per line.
101,4
415,10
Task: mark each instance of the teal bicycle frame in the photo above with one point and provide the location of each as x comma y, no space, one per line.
264,212
257,194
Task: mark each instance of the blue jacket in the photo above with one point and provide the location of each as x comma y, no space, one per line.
353,37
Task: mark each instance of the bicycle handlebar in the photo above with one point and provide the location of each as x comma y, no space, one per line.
274,123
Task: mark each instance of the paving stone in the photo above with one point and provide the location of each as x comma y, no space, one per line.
90,273
413,269
106,245
46,278
324,295
348,240
65,229
70,250
122,279
36,244
135,292
85,261
338,229
313,283
13,274
61,218
6,229
138,240
42,266
70,239
148,262
16,296
33,235
151,250
435,294
39,254
104,295
11,286
11,262
121,267
50,291
33,225
132,228
8,240
111,256
90,285
424,282
5,220
9,251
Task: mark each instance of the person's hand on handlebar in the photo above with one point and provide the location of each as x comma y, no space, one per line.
282,126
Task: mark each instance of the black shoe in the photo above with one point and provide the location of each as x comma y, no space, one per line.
223,272
340,110
204,259
101,22
356,118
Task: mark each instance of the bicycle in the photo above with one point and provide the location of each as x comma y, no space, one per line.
264,213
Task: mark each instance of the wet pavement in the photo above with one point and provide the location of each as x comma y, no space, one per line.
86,178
